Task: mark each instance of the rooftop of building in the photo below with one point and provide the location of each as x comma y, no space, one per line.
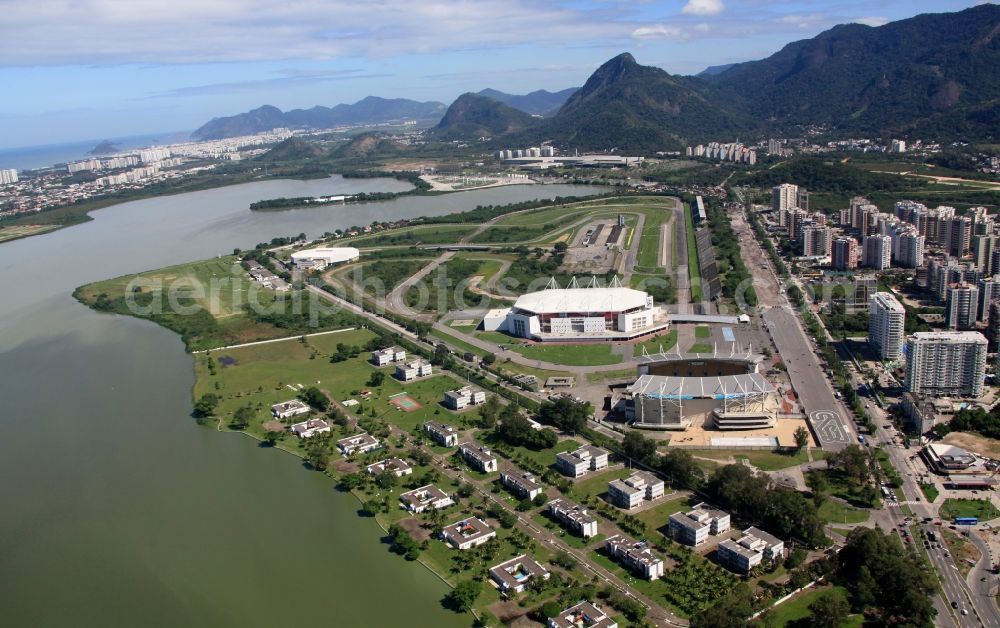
717,387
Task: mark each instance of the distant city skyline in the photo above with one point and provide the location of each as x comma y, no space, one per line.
108,69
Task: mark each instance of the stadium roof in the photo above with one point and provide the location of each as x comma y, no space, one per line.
332,255
720,387
582,300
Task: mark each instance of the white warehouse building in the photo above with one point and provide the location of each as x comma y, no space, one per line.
320,258
575,314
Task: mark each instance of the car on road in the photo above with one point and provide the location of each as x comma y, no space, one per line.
954,604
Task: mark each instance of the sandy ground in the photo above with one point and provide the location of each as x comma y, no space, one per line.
698,435
981,445
23,231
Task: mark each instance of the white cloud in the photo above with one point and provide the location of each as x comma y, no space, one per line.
110,32
703,7
703,28
659,31
874,20
804,21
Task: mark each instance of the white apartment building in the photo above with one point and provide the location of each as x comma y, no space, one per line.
409,371
877,252
463,397
784,197
946,363
886,325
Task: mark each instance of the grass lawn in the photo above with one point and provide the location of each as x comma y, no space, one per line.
263,375
420,234
798,607
658,517
693,270
980,508
702,332
665,341
961,550
545,457
569,355
700,347
930,491
837,512
649,240
763,460
205,303
597,483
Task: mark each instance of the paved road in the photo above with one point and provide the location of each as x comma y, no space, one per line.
632,253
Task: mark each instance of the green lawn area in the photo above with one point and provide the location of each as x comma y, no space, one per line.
597,484
263,375
693,270
930,491
702,332
798,607
700,347
210,298
763,460
658,517
420,234
980,508
569,355
546,457
649,240
666,341
837,512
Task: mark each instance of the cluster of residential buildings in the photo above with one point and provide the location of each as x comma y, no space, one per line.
754,548
413,369
441,433
8,175
736,152
631,492
534,151
694,526
427,497
582,461
265,277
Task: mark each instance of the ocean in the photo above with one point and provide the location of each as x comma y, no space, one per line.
32,157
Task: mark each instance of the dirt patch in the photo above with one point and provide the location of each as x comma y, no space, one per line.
512,614
345,466
981,445
414,527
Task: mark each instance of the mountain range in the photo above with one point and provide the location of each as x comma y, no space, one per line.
369,110
933,75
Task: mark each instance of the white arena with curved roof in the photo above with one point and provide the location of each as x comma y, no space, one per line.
575,314
320,258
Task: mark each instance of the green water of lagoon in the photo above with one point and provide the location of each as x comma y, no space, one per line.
117,509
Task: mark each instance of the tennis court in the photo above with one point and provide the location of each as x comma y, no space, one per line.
404,402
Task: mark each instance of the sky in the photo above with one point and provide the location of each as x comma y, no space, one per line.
74,70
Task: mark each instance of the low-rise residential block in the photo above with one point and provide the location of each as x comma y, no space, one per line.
514,574
424,498
468,533
635,556
582,615
409,371
582,461
479,457
630,492
358,444
396,466
388,355
464,397
694,526
288,409
521,484
442,434
752,549
310,428
573,517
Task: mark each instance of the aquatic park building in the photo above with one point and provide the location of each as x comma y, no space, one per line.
514,574
573,517
320,258
579,314
581,461
582,615
946,363
468,533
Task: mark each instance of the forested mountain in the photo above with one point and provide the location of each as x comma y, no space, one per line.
934,74
641,108
368,110
472,116
538,103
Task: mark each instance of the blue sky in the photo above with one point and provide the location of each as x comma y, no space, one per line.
82,69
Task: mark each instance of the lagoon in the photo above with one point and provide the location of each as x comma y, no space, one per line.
118,508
